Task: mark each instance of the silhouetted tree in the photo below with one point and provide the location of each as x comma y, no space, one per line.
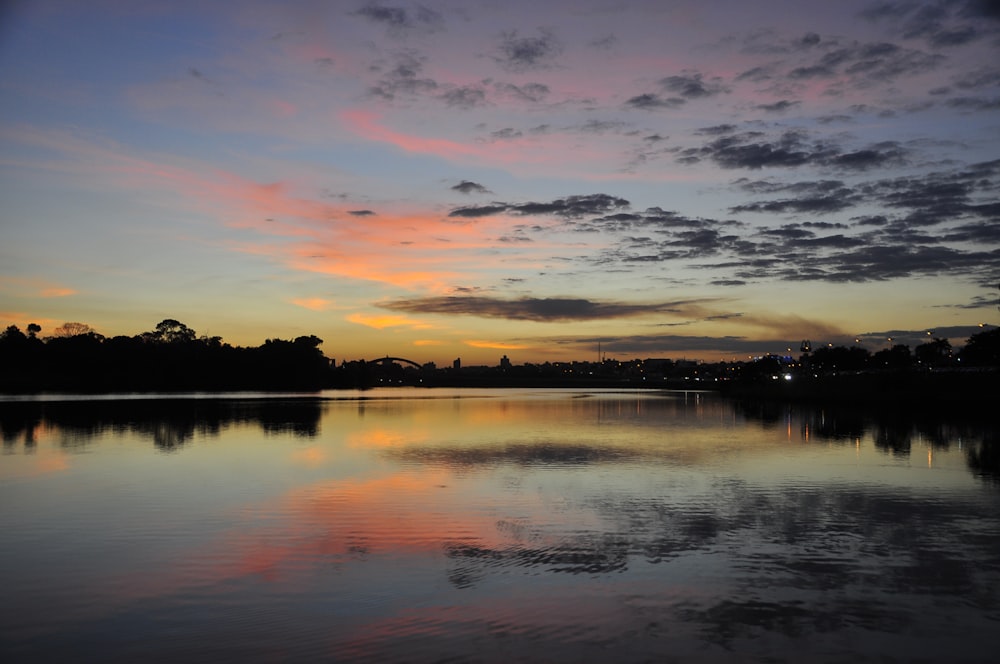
72,330
933,353
982,349
839,358
898,357
172,331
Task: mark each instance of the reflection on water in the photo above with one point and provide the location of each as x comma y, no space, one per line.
495,526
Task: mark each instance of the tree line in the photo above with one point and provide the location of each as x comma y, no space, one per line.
170,357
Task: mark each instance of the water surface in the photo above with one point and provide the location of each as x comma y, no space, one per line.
494,525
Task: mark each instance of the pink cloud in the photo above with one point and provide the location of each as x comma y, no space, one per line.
365,123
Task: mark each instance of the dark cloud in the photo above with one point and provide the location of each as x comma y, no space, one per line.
984,9
401,18
601,126
478,211
519,54
880,263
549,309
745,151
361,213
778,106
529,92
404,78
866,64
975,103
467,187
830,119
506,134
977,302
753,150
692,86
674,345
807,205
717,130
569,207
978,78
651,101
886,153
810,39
756,74
573,206
466,96
940,24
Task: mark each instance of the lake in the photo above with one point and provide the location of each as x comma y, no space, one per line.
409,525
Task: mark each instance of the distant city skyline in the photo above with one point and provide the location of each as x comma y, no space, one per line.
450,179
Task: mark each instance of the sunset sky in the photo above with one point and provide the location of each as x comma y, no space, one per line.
434,180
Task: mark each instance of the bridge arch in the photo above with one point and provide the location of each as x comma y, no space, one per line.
388,360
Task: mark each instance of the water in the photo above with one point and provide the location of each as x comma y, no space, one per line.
494,525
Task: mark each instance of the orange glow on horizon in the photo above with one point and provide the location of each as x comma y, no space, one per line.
499,345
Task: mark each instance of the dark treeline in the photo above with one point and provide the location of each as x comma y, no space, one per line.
933,375
171,357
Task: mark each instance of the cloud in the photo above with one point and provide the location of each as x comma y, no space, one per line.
360,213
551,309
313,303
975,103
57,291
401,19
569,207
520,54
778,106
506,134
498,345
404,77
816,197
942,25
692,86
651,101
677,345
959,205
466,96
529,92
790,149
467,187
475,212
35,287
383,321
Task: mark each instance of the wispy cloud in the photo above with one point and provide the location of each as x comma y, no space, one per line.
313,303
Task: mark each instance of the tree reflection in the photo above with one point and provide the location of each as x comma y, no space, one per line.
169,423
984,457
892,430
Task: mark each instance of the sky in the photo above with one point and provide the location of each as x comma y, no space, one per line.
462,179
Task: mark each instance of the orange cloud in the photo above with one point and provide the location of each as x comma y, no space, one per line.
313,303
382,321
500,345
35,287
56,291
